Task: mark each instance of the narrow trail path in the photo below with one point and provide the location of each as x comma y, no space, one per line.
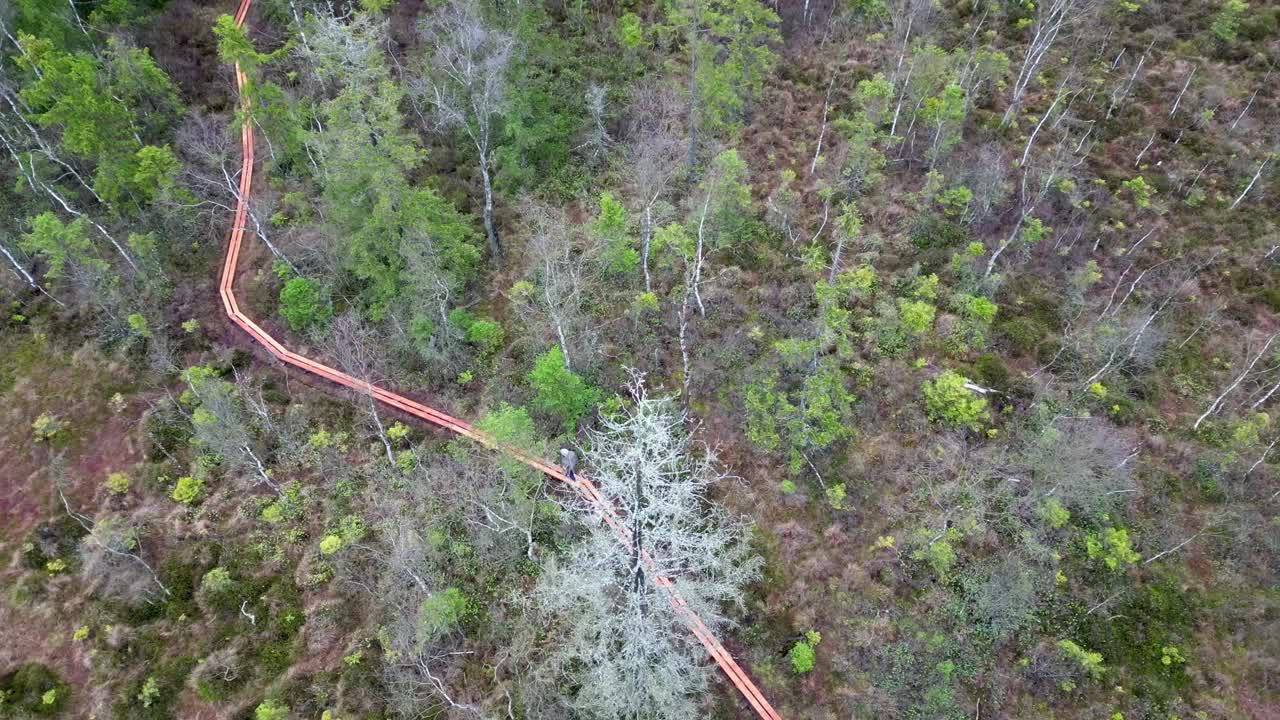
584,487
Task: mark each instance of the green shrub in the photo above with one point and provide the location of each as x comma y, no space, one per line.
117,483
630,30
936,232
486,335
947,401
1112,547
512,426
150,691
187,490
1034,231
1023,334
138,325
1052,512
271,710
305,304
218,580
441,612
836,496
1090,662
939,555
1226,23
802,655
47,428
916,315
992,371
559,391
330,544
1141,191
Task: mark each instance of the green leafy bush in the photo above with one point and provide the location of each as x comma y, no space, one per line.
487,335
809,418
138,325
305,304
330,544
559,391
1090,662
802,655
32,690
150,691
117,483
1141,191
187,490
1112,547
271,710
948,401
1052,512
916,315
47,428
441,612
1226,23
217,580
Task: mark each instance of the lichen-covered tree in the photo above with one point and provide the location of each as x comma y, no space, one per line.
620,641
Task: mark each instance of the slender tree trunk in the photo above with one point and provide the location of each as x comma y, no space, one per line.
1252,182
1236,383
22,272
693,96
491,232
697,260
1013,235
646,237
822,133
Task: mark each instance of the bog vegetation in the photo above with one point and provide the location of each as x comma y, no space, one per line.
929,346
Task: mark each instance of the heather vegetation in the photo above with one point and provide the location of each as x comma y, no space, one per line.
928,347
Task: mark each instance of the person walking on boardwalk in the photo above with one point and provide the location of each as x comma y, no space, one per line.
569,461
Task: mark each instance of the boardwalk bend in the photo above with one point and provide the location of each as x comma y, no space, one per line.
581,485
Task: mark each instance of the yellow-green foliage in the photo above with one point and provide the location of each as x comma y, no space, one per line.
47,427
330,544
1090,662
1141,191
187,490
1052,512
117,483
917,315
946,400
802,655
1112,547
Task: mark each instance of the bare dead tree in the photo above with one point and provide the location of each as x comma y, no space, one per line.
111,551
1261,166
1053,20
356,347
910,18
21,271
212,172
1036,182
1121,92
224,425
1248,368
465,85
1140,332
598,140
1249,104
653,157
560,268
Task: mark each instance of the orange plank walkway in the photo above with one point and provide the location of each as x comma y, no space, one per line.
582,486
